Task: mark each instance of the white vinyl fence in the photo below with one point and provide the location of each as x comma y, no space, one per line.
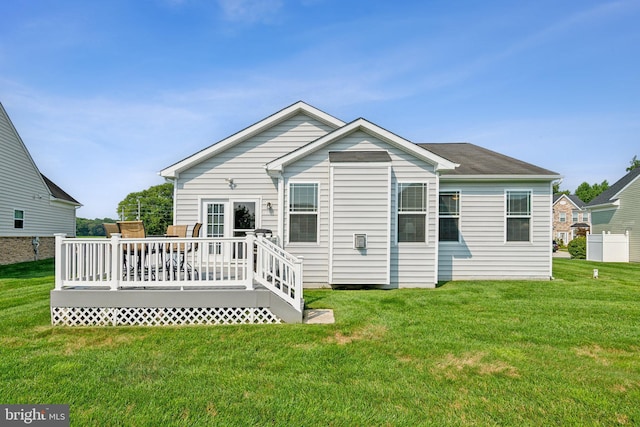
608,247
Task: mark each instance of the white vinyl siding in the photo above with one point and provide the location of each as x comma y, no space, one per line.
244,163
411,265
483,252
360,204
23,189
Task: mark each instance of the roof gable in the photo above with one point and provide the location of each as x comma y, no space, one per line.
611,194
361,124
264,124
571,198
31,172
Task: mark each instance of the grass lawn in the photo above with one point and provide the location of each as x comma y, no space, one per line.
564,352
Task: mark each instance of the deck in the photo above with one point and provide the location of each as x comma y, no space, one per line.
175,281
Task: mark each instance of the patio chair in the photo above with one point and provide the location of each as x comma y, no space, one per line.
133,230
110,228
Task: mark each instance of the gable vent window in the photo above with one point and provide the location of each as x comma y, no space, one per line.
303,212
18,219
518,216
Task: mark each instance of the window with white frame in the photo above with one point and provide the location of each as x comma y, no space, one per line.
563,217
518,216
412,212
303,212
18,218
449,213
575,216
585,216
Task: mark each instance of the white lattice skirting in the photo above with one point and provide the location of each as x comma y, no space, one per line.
160,316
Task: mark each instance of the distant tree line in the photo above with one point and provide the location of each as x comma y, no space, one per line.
153,206
91,227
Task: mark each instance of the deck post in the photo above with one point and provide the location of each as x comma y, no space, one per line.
251,241
59,260
116,262
298,280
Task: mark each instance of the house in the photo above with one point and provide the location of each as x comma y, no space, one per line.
569,217
32,207
616,211
364,206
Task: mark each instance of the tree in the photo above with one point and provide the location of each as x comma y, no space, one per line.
556,188
91,227
587,192
153,206
634,163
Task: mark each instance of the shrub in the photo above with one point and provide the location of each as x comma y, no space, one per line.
578,247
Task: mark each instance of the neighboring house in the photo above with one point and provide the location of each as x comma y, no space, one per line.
616,211
365,206
31,205
569,216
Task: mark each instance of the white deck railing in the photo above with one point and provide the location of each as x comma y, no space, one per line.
177,263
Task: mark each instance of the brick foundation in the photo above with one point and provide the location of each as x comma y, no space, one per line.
20,249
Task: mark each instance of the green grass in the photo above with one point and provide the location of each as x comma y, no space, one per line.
563,352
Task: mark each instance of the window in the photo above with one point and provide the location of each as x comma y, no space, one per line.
518,216
563,217
585,216
412,212
303,212
18,219
449,209
574,216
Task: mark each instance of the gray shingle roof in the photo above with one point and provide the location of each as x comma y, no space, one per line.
58,192
476,160
607,195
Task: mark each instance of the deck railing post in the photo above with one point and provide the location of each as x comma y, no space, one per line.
250,241
298,280
59,259
116,261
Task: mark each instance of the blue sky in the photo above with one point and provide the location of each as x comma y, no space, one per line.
107,93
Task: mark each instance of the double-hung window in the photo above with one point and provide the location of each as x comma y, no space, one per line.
303,212
563,217
412,212
449,213
518,216
574,217
18,219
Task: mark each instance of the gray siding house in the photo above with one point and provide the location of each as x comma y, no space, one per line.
365,206
31,205
616,211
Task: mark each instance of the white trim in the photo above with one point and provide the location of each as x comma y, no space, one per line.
438,162
530,216
450,242
389,201
331,221
281,209
288,240
280,116
510,178
617,195
426,214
